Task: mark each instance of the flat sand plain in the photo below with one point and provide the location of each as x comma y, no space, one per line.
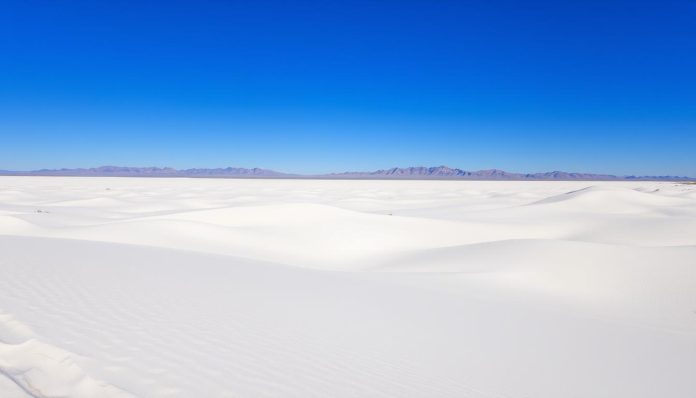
127,287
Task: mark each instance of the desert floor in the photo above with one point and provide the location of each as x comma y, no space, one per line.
121,287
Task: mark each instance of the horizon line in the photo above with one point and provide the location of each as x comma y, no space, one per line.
422,172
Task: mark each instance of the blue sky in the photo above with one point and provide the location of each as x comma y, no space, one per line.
316,86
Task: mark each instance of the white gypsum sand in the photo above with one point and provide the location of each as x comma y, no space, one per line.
122,287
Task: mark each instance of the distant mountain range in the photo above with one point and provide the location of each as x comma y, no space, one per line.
444,172
118,171
439,172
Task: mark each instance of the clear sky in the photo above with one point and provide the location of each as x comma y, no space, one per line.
317,86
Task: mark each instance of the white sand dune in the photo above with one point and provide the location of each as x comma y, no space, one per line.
126,287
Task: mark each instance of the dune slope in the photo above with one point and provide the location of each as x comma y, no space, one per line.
125,287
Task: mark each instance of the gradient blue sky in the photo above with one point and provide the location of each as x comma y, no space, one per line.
316,86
